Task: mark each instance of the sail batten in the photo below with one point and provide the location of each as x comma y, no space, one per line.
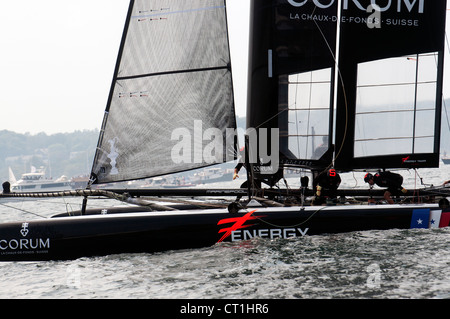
165,11
173,72
171,105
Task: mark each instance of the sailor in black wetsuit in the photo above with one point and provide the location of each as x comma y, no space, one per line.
391,181
6,188
258,177
326,185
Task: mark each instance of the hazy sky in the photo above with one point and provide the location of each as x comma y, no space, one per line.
57,59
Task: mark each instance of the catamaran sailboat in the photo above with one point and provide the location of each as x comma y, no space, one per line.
344,84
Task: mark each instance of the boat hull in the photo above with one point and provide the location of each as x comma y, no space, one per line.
99,234
42,187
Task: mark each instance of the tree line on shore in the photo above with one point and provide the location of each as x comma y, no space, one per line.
69,154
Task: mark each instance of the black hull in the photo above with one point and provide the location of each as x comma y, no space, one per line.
65,238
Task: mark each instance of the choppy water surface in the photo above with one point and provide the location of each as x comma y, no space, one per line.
369,264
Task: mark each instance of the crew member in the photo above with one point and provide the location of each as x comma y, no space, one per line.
326,185
240,164
258,178
237,169
392,181
6,188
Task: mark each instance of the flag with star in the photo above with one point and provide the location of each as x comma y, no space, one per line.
435,218
420,218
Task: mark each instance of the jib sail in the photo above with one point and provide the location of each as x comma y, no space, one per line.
171,94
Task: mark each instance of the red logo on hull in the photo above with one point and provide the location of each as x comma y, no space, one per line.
238,224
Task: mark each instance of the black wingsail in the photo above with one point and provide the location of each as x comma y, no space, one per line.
291,76
351,84
171,105
389,100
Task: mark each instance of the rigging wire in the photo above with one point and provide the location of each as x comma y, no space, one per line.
296,114
443,100
296,225
340,81
23,210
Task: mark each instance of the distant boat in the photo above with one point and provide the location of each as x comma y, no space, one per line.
445,158
213,175
35,181
162,182
79,182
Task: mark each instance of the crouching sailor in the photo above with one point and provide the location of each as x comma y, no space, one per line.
326,185
6,188
392,181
